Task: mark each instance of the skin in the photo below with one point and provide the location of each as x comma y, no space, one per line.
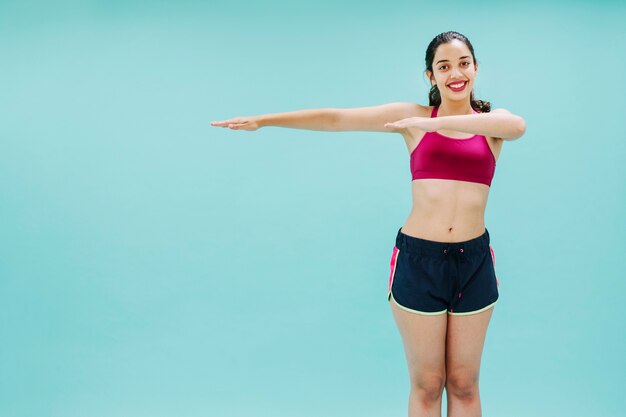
445,350
448,210
442,351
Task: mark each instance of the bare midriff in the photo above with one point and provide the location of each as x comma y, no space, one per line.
447,210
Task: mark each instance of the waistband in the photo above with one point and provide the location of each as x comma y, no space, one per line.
433,248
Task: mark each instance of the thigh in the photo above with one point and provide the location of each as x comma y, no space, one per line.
476,286
464,345
418,283
424,339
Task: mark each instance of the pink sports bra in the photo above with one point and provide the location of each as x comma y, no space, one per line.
439,156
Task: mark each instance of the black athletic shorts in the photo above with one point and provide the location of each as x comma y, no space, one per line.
429,277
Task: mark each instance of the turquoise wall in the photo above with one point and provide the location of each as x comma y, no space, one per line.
153,265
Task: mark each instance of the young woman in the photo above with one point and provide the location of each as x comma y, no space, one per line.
442,271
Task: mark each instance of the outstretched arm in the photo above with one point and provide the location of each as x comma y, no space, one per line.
313,119
499,123
310,119
329,119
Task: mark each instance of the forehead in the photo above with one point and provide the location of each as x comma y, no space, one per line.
452,50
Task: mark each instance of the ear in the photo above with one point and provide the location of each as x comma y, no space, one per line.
430,77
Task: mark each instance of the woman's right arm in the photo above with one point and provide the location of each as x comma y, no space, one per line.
314,119
370,119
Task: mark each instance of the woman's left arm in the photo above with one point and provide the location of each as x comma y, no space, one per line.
498,123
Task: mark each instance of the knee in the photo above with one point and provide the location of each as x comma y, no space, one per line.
462,385
428,388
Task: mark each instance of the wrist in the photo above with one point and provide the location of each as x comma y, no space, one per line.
435,124
260,121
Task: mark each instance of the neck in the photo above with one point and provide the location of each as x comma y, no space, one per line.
453,108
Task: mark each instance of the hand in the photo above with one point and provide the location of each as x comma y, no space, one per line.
239,123
426,124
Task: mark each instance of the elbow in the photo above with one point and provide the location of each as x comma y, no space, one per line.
521,127
517,129
516,125
330,120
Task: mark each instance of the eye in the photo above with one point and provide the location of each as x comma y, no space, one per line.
465,62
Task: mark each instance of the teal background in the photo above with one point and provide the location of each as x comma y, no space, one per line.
153,265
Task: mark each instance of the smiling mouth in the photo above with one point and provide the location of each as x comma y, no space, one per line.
461,88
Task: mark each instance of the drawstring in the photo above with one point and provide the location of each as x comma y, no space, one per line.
458,253
459,257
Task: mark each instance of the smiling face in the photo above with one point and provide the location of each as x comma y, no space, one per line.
453,64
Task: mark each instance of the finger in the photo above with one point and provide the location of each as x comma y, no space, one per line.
226,122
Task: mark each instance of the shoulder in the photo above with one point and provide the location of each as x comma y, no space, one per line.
410,109
405,109
423,111
412,135
500,111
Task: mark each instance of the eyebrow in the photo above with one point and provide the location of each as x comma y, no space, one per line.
445,60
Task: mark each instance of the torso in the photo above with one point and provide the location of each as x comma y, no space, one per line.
446,210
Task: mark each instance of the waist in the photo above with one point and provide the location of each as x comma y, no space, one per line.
420,246
443,229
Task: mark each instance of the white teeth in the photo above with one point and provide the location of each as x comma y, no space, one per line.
457,85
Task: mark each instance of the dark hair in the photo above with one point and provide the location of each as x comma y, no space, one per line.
434,96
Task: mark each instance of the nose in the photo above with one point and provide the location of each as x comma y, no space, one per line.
455,73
